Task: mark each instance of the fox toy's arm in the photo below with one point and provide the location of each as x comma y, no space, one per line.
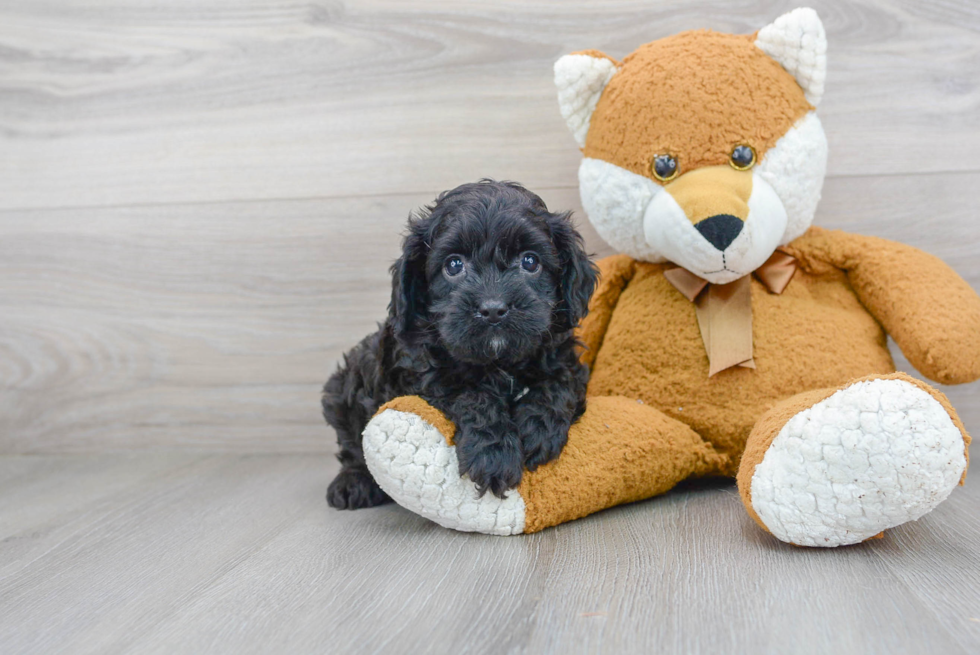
930,311
615,272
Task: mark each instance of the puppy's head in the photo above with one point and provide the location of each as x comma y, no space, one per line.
490,274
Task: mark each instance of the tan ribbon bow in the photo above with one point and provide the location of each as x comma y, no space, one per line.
724,311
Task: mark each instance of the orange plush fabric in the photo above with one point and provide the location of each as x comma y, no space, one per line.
614,274
620,451
930,311
666,99
817,334
652,349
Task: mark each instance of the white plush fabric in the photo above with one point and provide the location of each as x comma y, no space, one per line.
798,42
580,80
795,168
638,217
670,233
615,200
870,457
411,461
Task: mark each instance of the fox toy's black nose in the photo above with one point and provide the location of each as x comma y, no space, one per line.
493,310
720,230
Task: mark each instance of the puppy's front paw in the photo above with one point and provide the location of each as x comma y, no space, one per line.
544,444
355,489
495,466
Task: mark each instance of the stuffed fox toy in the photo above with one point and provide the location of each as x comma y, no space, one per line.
730,338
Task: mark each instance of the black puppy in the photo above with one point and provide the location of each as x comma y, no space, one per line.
485,298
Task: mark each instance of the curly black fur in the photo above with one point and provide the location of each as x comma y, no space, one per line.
491,346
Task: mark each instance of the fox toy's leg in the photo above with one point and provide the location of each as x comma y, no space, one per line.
619,451
838,466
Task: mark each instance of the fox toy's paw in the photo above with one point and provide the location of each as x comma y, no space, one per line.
840,469
412,460
619,451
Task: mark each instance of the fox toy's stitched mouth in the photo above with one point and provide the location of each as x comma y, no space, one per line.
724,268
721,270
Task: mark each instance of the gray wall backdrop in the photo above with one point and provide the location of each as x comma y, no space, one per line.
199,199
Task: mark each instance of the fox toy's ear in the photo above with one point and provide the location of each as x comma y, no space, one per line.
798,42
580,79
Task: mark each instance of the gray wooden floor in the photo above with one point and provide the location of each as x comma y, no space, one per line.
198,205
236,553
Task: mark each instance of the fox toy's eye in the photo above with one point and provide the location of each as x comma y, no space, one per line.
529,262
663,167
453,265
743,158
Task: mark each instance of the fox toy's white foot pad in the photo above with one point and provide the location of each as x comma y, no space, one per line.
410,459
872,456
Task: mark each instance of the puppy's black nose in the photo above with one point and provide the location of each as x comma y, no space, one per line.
493,311
720,230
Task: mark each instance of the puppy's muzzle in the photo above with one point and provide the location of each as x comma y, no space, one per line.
493,311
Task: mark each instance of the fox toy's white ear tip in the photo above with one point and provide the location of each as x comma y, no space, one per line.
580,79
797,41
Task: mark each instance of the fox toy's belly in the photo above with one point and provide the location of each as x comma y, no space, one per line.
816,334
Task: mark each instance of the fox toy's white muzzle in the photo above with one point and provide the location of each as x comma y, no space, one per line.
645,220
731,239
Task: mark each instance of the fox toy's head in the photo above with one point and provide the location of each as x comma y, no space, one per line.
702,149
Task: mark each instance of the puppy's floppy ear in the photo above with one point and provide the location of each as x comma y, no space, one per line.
578,273
409,289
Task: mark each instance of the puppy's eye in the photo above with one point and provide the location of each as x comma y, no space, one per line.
529,262
454,265
743,158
